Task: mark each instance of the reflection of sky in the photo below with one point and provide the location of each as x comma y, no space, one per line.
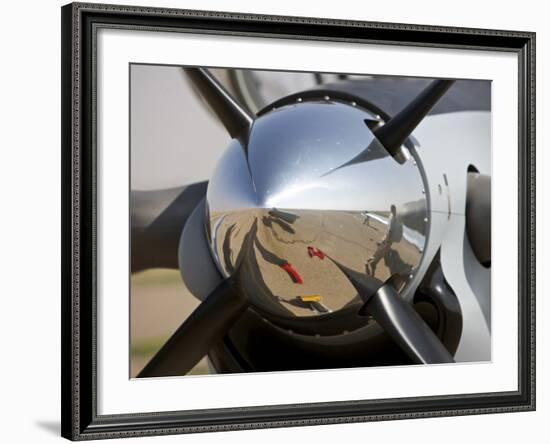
231,188
297,144
294,154
368,186
372,186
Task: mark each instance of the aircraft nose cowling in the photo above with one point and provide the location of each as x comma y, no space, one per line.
311,192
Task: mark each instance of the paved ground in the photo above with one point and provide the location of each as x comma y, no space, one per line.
342,235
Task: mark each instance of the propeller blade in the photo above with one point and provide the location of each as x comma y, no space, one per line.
478,215
236,119
365,285
397,318
395,132
157,220
201,330
406,327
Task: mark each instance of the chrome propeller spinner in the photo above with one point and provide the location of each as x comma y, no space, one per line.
317,188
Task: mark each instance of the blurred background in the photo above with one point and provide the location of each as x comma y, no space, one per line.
159,304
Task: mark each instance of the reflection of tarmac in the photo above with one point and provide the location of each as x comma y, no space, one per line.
341,235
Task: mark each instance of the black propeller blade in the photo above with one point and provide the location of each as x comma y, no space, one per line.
158,218
236,119
397,318
395,132
406,327
207,325
365,285
201,330
478,215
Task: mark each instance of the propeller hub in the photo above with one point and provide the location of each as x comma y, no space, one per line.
310,190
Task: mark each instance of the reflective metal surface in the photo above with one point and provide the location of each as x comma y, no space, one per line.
314,190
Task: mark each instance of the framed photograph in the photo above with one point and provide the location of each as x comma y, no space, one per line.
279,221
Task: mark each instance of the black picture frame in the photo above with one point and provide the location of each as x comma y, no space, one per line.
79,396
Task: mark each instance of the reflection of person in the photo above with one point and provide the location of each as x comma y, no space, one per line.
366,221
394,234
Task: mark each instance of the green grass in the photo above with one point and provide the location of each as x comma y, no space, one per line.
144,350
157,277
146,347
